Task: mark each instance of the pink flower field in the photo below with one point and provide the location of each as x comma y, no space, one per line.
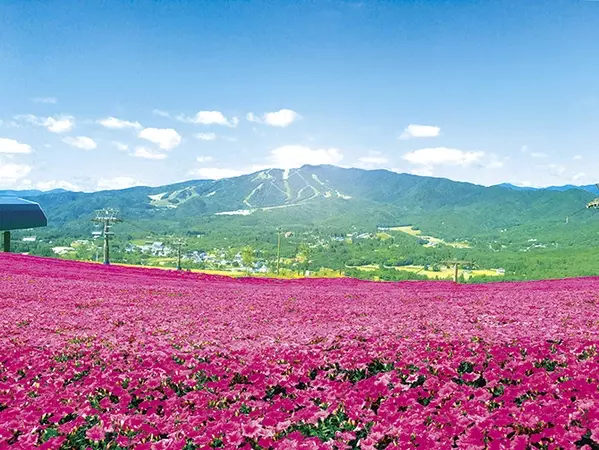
96,357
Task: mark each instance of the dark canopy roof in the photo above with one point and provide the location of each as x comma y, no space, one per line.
18,214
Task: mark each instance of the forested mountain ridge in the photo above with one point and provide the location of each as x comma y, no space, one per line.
321,196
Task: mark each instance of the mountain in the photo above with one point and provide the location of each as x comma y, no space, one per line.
517,188
589,187
29,193
320,196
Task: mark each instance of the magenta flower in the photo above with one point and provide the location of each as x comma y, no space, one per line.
95,433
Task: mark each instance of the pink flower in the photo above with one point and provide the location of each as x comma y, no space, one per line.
95,433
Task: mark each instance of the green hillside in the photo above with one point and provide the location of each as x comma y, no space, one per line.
338,214
326,196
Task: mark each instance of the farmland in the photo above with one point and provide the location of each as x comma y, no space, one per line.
118,357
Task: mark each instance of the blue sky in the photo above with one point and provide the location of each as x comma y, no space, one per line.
96,96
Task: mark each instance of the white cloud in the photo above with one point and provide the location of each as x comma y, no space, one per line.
216,173
204,159
161,113
577,157
11,173
118,124
282,118
524,148
12,146
117,183
143,152
165,138
209,118
420,131
82,142
56,184
206,136
60,124
579,177
51,100
292,156
442,156
120,146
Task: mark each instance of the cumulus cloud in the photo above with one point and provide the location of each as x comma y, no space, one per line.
12,146
51,100
82,142
292,156
282,118
117,183
11,173
165,138
143,152
209,118
60,124
118,124
204,159
216,173
577,178
120,146
420,131
442,156
206,136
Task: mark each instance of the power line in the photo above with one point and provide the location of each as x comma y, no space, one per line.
107,216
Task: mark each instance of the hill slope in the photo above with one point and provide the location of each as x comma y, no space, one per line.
324,195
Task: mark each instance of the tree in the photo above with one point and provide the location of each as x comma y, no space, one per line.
304,252
247,257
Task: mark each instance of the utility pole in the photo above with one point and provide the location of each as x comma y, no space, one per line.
107,217
456,264
179,243
6,243
278,249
